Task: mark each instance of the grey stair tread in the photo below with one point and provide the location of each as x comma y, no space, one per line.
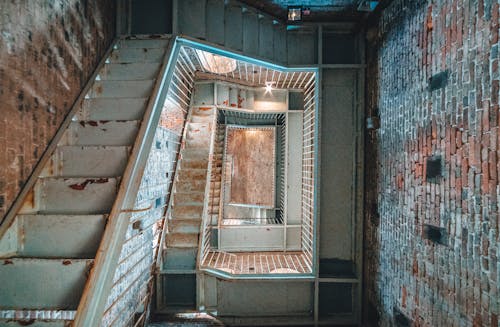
179,259
42,283
87,161
112,109
103,132
129,71
130,55
124,89
144,43
60,236
182,240
188,226
59,195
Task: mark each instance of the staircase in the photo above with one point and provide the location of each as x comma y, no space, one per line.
49,249
185,215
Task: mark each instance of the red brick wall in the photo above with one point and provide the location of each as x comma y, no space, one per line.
433,284
48,49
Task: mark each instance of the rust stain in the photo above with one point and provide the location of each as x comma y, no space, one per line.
145,50
67,262
104,121
30,199
98,89
92,123
83,185
8,262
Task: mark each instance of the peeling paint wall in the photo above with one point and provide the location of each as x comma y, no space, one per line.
48,49
417,274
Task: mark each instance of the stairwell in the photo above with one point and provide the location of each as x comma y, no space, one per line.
49,248
187,205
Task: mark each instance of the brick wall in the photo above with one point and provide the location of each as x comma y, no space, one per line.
48,49
449,277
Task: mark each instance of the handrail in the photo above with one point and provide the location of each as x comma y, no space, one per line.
202,247
51,147
98,286
168,211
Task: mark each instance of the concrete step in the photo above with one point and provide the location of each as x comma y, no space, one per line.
186,226
190,186
56,195
197,142
103,132
202,111
179,259
187,174
42,283
87,161
197,130
121,89
131,55
201,119
112,109
143,43
59,236
187,212
194,154
129,71
187,163
182,240
189,198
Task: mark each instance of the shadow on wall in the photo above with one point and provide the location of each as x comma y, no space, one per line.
48,50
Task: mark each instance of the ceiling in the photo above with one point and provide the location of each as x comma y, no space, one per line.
321,10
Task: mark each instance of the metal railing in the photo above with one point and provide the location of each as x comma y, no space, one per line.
206,221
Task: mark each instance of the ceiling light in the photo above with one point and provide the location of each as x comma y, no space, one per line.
294,14
215,63
269,86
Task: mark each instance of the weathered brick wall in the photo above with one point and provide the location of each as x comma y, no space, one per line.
406,274
48,49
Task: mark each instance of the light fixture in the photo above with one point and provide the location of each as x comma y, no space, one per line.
294,14
215,63
269,86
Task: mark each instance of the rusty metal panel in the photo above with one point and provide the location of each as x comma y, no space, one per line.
252,153
257,298
233,30
42,283
302,47
215,17
191,15
266,38
337,164
250,33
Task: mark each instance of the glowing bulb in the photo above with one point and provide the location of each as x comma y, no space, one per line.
269,87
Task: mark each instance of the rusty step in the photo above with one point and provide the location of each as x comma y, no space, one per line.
187,226
182,240
187,212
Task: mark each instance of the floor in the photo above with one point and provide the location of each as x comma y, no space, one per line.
258,262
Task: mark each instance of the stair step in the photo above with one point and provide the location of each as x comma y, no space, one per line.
87,161
190,186
56,195
187,163
59,236
103,132
192,174
36,322
194,154
129,55
179,259
121,89
42,283
201,119
143,43
187,226
112,109
129,71
187,212
188,198
182,240
198,142
202,111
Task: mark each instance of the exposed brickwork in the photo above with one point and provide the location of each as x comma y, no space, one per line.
48,49
456,284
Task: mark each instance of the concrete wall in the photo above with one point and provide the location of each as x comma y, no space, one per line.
449,278
48,49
